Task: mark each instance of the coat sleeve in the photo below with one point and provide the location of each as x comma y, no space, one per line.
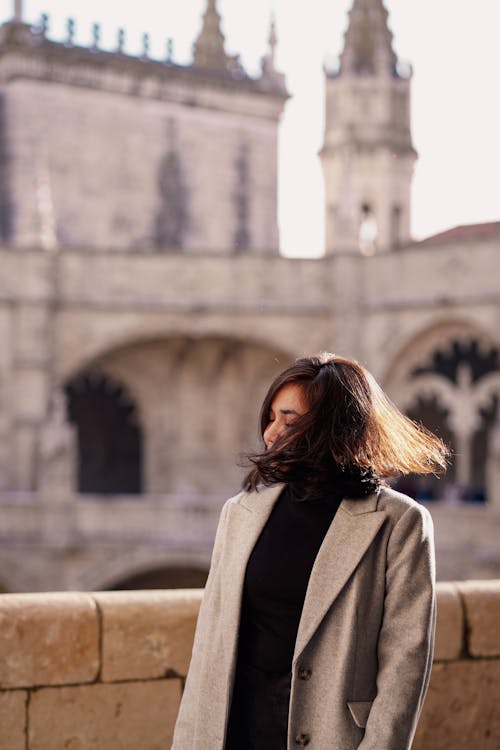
186,718
406,639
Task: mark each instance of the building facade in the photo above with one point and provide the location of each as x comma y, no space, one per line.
144,306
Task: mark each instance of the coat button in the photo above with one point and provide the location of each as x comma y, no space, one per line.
304,673
302,740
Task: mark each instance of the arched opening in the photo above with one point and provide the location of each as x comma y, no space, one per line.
368,230
109,435
428,410
163,578
199,400
454,390
395,224
484,447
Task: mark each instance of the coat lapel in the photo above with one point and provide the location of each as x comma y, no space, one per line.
353,529
245,521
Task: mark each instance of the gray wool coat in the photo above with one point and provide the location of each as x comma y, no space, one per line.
363,652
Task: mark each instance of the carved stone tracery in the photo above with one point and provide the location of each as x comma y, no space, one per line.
463,375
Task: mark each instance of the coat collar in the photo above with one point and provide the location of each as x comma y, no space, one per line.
351,532
262,501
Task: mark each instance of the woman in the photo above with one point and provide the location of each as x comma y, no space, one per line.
317,623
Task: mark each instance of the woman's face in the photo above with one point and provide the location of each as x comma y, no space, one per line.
288,405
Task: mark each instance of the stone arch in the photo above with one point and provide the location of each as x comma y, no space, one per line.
410,351
448,377
166,577
109,434
111,572
198,400
93,348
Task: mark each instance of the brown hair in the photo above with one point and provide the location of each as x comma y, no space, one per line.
351,432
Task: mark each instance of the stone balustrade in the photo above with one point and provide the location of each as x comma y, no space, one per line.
105,670
82,519
176,530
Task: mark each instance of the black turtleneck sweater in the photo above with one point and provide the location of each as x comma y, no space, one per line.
276,579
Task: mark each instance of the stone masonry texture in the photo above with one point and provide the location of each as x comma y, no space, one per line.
461,708
450,623
482,604
137,675
146,634
47,639
12,720
126,716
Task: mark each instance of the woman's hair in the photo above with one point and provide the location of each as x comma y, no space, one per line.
351,433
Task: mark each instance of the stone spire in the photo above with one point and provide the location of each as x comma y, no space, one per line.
209,49
270,75
18,11
268,62
16,31
272,41
368,41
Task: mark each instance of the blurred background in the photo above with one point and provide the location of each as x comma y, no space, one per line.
191,196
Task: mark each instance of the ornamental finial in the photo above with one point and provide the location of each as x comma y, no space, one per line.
272,38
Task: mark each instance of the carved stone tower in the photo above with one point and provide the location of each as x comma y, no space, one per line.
368,155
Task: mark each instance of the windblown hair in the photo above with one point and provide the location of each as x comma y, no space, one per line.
352,435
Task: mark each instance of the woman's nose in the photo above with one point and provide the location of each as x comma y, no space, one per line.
271,433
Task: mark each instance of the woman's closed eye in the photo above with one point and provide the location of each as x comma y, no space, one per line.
290,423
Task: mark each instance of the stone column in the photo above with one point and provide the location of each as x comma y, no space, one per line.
493,469
463,457
57,472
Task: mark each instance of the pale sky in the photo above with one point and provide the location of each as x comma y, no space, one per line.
452,45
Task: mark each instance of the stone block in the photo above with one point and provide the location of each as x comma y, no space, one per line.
12,719
29,387
461,708
450,623
482,611
147,634
127,716
31,323
48,639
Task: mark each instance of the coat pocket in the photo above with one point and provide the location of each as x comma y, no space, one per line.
360,710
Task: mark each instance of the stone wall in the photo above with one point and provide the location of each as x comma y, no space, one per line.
158,154
106,670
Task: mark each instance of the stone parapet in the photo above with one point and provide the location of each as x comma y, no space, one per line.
143,636
100,670
482,611
461,707
121,715
105,670
48,639
450,624
26,52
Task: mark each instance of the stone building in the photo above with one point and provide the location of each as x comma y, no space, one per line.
144,305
